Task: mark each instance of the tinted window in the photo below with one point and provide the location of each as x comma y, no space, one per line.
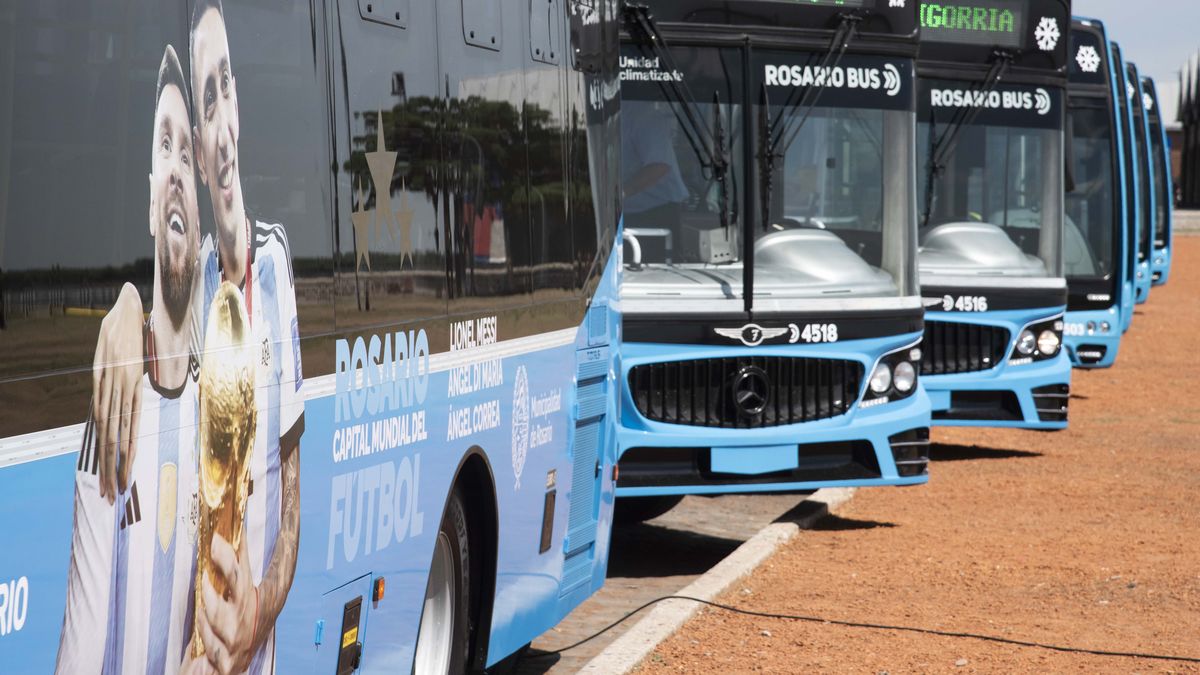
74,160
74,157
1089,243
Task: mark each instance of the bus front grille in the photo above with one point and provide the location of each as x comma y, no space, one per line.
745,392
953,347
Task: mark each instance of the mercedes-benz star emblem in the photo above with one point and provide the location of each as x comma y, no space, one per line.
751,391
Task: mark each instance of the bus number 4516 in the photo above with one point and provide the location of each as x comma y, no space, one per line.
965,303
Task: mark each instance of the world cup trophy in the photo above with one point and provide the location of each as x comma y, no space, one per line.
228,418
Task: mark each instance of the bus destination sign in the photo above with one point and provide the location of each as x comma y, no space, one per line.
996,22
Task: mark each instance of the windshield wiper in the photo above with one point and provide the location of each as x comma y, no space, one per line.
710,146
771,137
766,157
721,165
941,146
789,127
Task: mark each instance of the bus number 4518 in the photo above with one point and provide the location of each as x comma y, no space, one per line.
813,333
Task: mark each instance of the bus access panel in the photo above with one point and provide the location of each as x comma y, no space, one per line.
345,272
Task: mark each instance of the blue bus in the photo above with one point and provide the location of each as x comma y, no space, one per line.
1147,199
990,118
1132,183
344,402
771,316
1164,185
1097,234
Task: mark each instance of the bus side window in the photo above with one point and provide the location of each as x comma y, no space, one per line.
284,166
75,151
389,223
551,243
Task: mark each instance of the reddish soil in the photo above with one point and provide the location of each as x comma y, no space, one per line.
1088,538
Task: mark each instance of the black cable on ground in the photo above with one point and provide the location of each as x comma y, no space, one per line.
875,626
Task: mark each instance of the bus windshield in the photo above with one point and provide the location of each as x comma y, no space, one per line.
1145,189
1090,230
823,181
993,204
1158,155
1130,151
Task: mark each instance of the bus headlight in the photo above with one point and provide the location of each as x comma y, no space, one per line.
1048,342
881,379
894,377
1105,327
1026,343
1041,341
904,378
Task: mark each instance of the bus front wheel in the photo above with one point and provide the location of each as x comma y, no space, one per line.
443,639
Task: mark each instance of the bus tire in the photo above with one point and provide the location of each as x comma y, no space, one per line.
443,639
633,510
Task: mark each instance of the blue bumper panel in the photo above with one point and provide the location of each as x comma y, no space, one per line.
1160,266
1007,395
1142,283
1088,344
885,444
754,460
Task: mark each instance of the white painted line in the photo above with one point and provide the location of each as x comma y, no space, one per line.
637,643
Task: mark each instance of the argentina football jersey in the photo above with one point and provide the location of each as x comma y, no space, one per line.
90,570
270,301
129,607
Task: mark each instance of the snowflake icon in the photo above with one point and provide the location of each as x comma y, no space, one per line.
1047,34
1148,102
1088,59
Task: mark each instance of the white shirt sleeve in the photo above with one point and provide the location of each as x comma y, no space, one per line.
291,379
89,576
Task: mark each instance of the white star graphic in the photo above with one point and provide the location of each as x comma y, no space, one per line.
382,165
404,219
361,219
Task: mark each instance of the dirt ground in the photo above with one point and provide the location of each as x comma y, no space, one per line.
1084,538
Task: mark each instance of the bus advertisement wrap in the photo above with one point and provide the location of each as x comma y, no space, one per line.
338,372
366,493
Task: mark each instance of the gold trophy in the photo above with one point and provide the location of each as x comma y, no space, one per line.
228,418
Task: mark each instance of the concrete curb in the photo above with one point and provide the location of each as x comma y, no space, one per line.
627,651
